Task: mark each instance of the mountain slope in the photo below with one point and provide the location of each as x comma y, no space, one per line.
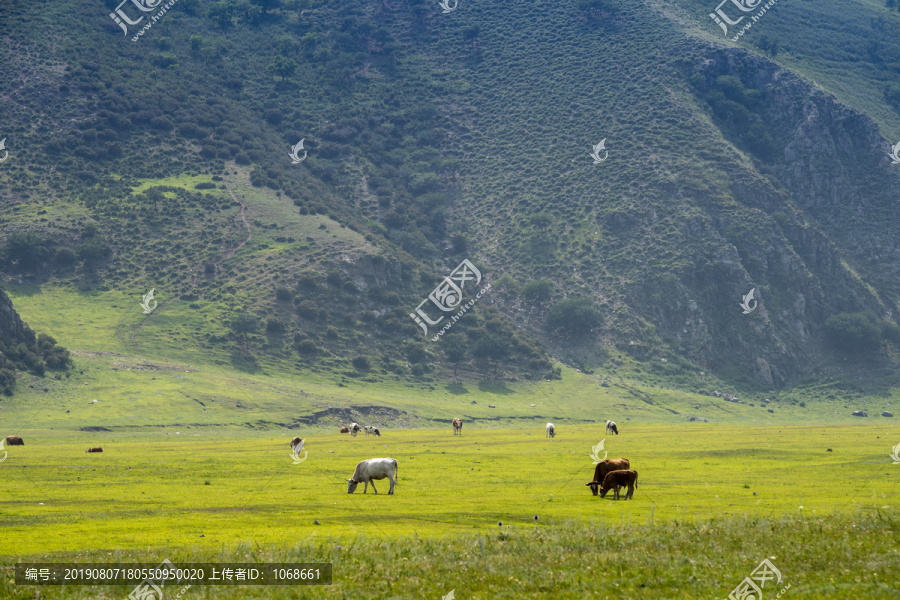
435,137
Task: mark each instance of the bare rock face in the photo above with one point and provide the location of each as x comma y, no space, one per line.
887,414
860,413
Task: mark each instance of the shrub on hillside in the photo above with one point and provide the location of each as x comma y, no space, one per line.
307,347
361,363
27,250
854,332
575,316
537,291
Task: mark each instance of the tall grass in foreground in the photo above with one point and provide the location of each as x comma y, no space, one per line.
839,556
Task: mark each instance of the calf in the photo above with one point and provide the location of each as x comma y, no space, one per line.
605,466
14,440
97,449
369,470
617,479
374,430
551,430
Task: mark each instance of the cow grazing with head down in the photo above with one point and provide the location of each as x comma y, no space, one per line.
606,466
551,430
14,440
457,426
97,449
611,428
345,429
374,430
297,445
369,470
617,479
354,429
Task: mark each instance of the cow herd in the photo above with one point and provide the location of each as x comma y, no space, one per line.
609,474
353,429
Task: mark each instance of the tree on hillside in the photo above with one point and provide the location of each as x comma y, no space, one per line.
27,250
56,357
284,67
490,347
456,349
268,5
243,326
222,12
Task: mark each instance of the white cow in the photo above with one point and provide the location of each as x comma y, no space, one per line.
611,427
551,430
369,470
374,430
296,445
354,429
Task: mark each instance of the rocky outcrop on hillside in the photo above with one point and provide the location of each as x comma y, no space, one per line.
12,329
816,231
21,350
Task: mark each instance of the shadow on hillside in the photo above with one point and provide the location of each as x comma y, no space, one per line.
244,362
456,388
494,387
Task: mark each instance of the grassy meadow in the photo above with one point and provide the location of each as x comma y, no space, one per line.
210,493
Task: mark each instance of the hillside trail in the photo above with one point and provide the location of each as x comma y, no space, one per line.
196,278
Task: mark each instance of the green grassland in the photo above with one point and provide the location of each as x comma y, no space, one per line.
155,494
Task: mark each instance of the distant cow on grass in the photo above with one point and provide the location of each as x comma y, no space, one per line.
296,445
457,426
369,470
14,440
551,430
611,428
97,449
345,429
354,429
374,430
617,479
604,467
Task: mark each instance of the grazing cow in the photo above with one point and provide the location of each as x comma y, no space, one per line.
369,470
354,429
611,428
551,430
617,479
97,449
345,429
296,445
14,440
369,429
605,466
457,426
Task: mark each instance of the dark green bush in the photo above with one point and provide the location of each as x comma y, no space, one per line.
575,316
854,332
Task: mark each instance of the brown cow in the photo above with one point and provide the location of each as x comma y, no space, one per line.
345,429
97,449
617,479
604,467
457,426
14,440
